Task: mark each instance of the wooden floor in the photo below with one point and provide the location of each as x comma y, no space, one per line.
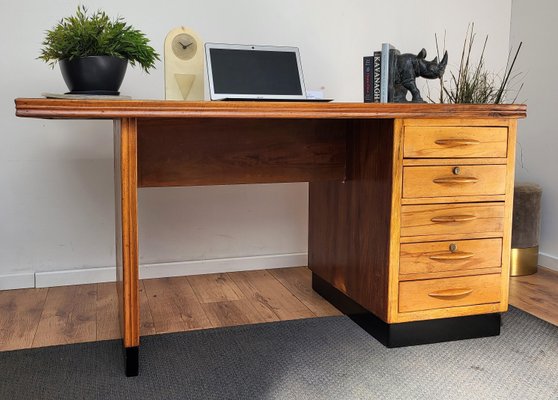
537,294
83,313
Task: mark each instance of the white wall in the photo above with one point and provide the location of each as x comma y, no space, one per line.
534,23
56,188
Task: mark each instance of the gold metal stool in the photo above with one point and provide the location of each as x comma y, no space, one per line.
525,229
524,261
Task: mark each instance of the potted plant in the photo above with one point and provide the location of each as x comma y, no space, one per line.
94,51
473,83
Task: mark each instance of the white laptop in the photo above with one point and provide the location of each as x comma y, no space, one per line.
249,72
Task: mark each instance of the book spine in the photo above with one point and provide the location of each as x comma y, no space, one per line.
384,72
367,79
393,53
376,76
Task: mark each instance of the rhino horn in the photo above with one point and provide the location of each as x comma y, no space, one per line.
422,54
435,61
444,61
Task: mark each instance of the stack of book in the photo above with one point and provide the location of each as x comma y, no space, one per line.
379,75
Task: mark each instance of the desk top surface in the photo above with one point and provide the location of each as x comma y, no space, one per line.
113,109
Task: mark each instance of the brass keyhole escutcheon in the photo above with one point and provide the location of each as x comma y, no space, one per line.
453,247
456,170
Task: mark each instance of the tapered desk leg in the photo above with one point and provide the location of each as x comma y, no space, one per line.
125,183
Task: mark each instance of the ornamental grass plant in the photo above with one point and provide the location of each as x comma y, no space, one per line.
473,83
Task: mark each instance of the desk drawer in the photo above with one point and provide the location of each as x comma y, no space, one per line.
452,219
456,255
454,180
449,292
455,142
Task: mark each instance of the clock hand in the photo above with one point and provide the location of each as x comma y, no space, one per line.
184,47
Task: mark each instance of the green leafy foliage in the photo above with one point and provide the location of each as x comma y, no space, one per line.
83,35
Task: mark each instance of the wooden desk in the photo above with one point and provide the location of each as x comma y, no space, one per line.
410,204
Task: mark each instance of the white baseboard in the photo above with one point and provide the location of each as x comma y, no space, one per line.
162,270
548,261
17,281
75,277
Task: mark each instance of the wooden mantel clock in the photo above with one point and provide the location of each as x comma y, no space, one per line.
184,63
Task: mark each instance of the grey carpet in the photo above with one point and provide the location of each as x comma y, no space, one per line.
323,358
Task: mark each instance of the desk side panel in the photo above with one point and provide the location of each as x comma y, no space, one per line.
125,174
186,152
349,222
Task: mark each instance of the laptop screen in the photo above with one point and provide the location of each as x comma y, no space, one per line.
255,72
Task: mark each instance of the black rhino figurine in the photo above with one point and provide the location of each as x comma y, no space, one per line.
408,67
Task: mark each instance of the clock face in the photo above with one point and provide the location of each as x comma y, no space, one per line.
184,46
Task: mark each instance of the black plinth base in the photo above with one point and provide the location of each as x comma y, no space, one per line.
409,333
131,358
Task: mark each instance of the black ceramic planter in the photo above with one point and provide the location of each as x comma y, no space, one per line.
100,75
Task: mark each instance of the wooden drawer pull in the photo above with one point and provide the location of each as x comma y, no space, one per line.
455,180
451,293
453,218
456,142
458,255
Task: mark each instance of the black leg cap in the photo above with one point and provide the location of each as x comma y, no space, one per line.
131,357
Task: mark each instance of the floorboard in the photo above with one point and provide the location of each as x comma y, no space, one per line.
213,288
20,313
69,316
235,312
174,305
147,326
537,294
269,296
108,324
299,282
